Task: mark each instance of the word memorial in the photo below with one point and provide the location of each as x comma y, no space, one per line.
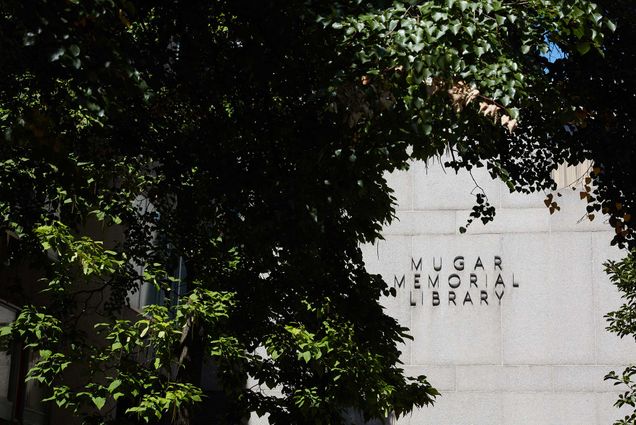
458,283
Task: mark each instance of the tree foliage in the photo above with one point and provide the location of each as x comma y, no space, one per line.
475,76
604,118
249,140
605,131
623,323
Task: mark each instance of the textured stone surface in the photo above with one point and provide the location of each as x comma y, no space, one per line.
583,378
607,413
527,220
456,337
411,223
454,334
504,378
539,357
441,377
520,200
572,217
401,183
551,321
549,409
460,408
439,188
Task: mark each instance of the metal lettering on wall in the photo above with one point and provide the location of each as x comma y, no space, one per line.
457,281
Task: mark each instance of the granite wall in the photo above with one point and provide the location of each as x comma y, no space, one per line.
507,318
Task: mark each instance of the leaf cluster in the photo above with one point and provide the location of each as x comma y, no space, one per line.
232,155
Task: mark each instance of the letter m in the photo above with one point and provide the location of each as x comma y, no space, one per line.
399,283
417,266
431,283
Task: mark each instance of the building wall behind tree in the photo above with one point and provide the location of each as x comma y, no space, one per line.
507,319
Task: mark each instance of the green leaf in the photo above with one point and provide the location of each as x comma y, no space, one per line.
583,47
74,49
57,54
98,401
438,15
114,385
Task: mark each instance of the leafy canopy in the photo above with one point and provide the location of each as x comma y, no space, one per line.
248,141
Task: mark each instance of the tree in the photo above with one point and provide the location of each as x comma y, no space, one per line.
604,117
604,133
623,323
249,141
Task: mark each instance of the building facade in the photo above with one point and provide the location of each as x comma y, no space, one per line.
507,319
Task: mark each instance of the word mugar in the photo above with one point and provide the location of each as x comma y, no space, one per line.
466,282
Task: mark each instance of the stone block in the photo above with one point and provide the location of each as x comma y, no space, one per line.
439,188
548,409
607,412
523,315
387,256
572,216
401,183
402,225
440,377
424,223
547,320
410,223
504,378
583,378
521,200
459,409
433,223
512,220
468,335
